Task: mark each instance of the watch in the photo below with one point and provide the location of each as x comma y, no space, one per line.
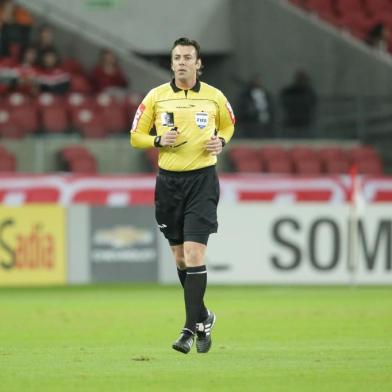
223,141
157,141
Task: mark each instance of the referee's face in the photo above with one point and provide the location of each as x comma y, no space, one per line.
185,63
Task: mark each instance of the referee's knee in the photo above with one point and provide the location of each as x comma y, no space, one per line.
194,254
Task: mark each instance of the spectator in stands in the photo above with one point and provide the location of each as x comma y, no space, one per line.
299,102
378,37
45,42
255,110
107,74
28,72
15,27
52,77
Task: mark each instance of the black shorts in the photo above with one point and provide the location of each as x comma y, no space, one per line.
186,204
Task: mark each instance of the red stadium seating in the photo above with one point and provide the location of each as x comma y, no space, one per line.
301,152
83,165
55,119
333,153
245,159
80,84
272,152
78,159
308,166
249,166
7,160
114,115
279,166
349,6
359,153
370,166
336,166
26,117
72,66
8,127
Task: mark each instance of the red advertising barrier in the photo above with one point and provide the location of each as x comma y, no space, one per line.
124,190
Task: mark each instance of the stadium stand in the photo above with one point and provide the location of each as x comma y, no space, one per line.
304,160
356,16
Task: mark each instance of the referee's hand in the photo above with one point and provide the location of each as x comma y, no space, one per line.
214,145
169,138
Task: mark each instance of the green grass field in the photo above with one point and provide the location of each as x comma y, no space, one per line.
118,338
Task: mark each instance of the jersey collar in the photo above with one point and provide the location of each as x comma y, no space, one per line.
195,88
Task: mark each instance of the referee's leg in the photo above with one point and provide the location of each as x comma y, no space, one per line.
179,257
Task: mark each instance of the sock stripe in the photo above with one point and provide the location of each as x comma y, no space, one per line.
194,273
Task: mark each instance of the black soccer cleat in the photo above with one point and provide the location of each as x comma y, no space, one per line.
203,332
185,342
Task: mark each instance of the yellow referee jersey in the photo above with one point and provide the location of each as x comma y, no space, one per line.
198,114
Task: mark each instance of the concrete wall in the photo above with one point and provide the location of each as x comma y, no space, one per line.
150,26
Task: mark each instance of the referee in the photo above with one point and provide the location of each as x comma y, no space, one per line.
192,122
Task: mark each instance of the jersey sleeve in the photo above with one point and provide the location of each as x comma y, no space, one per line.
142,123
226,118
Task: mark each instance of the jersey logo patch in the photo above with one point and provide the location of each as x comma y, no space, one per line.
138,114
201,119
230,109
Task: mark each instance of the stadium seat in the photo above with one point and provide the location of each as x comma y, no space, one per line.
26,117
378,7
363,152
245,159
72,153
344,7
333,153
9,129
113,112
279,166
370,166
249,166
272,152
356,22
80,84
49,100
300,152
22,111
7,162
90,123
54,119
73,66
83,165
131,103
336,166
236,152
308,166
324,9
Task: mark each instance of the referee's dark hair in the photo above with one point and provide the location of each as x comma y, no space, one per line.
183,41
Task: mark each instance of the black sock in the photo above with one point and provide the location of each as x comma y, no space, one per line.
203,310
194,288
181,276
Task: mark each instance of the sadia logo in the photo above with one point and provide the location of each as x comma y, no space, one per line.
32,249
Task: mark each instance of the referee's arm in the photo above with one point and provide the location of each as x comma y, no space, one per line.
226,119
142,123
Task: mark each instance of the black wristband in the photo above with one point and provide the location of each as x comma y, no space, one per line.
157,141
223,141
